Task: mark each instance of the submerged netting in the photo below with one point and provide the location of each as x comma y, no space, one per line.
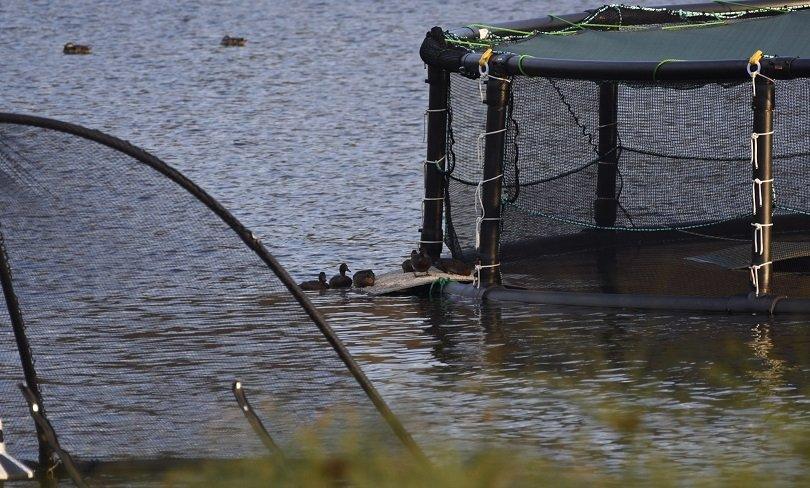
141,307
684,187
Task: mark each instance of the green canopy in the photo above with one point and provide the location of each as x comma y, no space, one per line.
785,35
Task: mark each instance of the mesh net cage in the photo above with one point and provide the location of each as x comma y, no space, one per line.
683,178
142,305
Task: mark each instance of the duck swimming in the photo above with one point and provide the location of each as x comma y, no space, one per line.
454,266
319,284
420,261
364,278
71,48
229,41
341,280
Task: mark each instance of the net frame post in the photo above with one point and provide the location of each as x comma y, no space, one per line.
498,94
45,453
431,232
605,204
763,106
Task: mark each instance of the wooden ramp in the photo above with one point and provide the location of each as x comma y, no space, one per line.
397,281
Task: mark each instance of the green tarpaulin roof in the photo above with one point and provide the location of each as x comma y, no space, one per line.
786,35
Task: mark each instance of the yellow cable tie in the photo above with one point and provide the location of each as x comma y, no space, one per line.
485,57
756,57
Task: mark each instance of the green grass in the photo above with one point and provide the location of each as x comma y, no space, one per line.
358,463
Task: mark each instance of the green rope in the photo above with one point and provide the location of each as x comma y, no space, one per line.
560,33
658,66
782,10
441,282
608,26
572,24
501,29
468,43
690,26
520,63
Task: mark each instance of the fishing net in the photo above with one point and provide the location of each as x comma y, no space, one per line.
141,306
683,186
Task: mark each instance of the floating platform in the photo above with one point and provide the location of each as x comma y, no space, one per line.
398,281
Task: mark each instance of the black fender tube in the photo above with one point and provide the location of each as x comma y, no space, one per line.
733,304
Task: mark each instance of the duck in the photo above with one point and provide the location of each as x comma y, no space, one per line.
341,280
454,266
71,48
420,261
407,267
319,284
364,278
229,41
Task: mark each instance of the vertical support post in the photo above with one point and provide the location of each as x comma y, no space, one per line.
497,100
762,192
435,163
605,204
24,350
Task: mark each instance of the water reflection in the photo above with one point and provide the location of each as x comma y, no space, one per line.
591,384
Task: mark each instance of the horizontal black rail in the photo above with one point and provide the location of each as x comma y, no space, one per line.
735,304
724,70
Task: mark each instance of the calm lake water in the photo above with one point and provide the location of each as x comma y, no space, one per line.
312,136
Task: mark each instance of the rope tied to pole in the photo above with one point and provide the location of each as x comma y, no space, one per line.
430,199
754,269
478,268
483,72
756,192
754,138
425,120
754,68
759,244
479,199
479,207
438,164
479,147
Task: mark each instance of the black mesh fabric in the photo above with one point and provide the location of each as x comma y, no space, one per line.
141,307
684,185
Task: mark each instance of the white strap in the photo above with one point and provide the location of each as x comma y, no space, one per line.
759,245
754,269
754,137
479,146
479,207
478,268
483,72
756,192
425,120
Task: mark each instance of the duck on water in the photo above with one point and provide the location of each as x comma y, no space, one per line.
319,284
341,280
364,278
229,41
71,48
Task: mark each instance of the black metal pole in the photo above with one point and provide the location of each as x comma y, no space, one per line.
605,204
761,267
24,350
435,162
255,422
497,100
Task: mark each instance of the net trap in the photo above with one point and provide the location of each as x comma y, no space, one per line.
625,157
147,328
